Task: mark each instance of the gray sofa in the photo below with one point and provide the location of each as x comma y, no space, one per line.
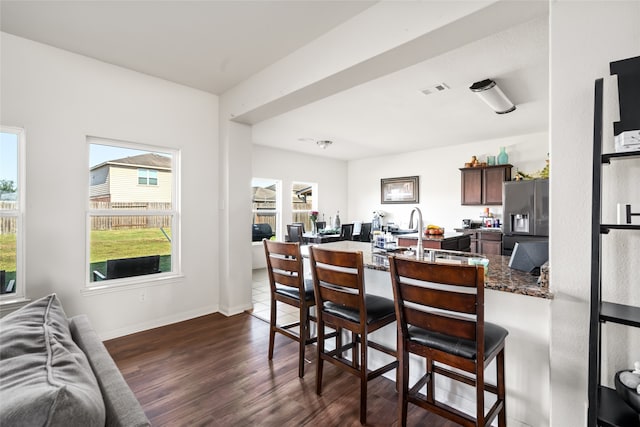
55,371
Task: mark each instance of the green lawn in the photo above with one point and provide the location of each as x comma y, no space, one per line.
8,252
128,243
105,245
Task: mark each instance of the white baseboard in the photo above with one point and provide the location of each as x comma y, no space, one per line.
232,311
156,323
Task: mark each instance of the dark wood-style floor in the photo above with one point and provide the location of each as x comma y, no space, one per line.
213,371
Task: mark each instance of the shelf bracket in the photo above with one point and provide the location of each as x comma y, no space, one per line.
630,214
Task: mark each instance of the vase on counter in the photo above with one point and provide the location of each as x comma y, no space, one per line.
314,227
503,157
336,222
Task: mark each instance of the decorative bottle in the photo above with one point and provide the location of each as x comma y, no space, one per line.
503,157
336,223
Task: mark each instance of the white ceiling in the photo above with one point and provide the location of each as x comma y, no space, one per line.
214,45
206,44
392,115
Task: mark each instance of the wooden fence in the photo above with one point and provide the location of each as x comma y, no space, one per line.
107,222
7,224
120,222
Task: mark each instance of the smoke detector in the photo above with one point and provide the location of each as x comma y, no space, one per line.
440,87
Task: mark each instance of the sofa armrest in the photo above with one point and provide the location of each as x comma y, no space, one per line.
122,407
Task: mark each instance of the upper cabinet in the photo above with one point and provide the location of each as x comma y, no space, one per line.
483,185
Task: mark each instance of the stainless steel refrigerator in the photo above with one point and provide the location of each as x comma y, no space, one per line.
525,212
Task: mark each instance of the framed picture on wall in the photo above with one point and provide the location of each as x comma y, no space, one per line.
400,190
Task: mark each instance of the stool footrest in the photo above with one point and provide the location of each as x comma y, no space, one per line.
382,370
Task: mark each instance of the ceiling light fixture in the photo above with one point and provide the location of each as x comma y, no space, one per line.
324,143
491,94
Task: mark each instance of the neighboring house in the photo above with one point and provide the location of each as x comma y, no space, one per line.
142,178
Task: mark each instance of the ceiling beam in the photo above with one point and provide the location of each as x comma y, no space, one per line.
418,31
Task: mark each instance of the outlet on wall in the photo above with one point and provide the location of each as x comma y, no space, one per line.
143,296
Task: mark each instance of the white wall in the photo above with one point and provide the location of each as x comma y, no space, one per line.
439,179
235,214
585,37
59,98
287,166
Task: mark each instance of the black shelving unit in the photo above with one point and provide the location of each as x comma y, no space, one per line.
606,408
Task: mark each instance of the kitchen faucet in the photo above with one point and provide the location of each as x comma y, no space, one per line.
419,249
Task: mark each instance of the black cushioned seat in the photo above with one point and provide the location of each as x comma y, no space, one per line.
494,336
294,293
377,309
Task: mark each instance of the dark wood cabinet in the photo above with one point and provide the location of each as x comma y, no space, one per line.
492,179
483,185
447,242
471,186
488,245
484,242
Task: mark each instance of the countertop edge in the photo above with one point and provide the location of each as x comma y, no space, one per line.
500,277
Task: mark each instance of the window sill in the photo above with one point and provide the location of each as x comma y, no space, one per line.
117,285
9,305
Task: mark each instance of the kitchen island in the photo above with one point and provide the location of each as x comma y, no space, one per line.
513,300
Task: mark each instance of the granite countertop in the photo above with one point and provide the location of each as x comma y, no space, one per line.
500,276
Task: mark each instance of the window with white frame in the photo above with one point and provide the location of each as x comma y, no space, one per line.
302,203
11,213
266,202
147,177
133,216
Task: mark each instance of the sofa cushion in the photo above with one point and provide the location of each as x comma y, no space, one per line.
121,406
45,379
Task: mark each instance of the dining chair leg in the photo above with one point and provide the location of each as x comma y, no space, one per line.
403,375
272,328
398,377
319,361
502,417
304,332
480,395
363,400
363,379
354,350
430,381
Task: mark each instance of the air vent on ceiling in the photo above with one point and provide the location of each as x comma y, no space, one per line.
435,88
